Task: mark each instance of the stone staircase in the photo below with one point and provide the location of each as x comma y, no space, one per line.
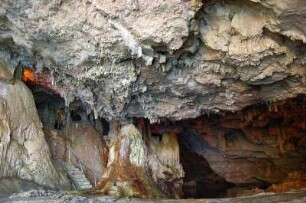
76,176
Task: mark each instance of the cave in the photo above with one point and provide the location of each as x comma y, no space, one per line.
134,100
50,106
260,148
200,180
241,153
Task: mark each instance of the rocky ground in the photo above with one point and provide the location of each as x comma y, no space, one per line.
42,196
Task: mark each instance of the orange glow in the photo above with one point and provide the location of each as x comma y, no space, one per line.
30,76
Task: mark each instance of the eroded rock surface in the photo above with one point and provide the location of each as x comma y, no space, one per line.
80,142
260,145
160,59
127,171
24,152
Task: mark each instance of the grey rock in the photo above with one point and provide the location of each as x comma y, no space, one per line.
160,59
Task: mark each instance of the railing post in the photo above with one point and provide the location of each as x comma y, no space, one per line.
81,165
69,155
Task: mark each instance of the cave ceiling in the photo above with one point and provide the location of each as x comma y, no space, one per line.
160,59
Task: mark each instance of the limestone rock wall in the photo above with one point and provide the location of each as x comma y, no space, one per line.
85,145
259,145
24,152
160,59
165,164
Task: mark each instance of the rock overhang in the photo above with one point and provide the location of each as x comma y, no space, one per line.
160,59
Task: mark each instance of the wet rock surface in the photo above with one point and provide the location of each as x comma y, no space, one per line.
160,59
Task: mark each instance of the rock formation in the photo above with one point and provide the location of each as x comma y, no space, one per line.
79,143
160,59
136,168
259,146
24,152
223,80
127,173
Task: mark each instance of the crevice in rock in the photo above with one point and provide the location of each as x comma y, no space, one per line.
243,152
200,180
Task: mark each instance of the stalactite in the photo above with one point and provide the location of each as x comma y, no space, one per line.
273,107
281,139
168,152
164,162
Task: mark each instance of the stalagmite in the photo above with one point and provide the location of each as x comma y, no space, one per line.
127,172
135,169
165,164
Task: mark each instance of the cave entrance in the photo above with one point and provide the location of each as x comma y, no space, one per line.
200,180
50,107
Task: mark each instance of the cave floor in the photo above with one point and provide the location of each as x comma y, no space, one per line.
52,197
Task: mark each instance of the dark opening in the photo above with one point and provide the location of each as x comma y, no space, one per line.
160,136
200,180
50,106
105,125
75,117
59,119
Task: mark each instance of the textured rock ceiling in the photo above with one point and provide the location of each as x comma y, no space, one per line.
160,59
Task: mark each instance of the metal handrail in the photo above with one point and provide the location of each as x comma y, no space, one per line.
81,164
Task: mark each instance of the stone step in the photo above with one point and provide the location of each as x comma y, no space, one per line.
84,188
83,185
82,181
77,176
71,168
75,172
69,165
